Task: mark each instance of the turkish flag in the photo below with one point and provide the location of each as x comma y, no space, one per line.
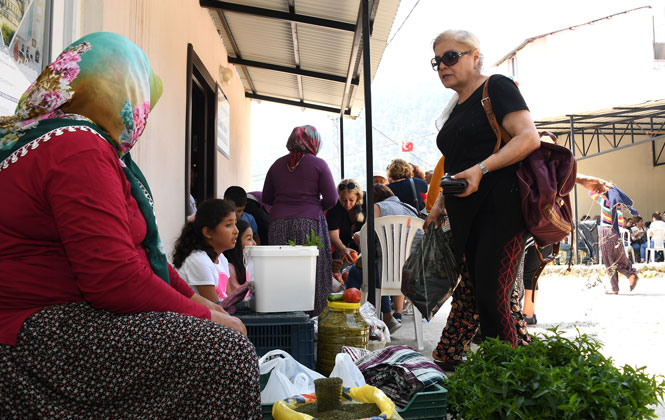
407,146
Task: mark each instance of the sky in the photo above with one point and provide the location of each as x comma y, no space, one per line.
500,25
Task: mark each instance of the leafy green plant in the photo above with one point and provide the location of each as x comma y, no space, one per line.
552,378
311,239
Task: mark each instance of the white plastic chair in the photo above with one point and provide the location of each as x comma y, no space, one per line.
625,240
657,235
395,234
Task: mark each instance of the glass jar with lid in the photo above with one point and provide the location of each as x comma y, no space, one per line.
340,324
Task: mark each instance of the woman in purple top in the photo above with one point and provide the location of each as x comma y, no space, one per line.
300,187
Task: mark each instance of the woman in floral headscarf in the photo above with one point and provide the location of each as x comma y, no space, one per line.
300,187
94,322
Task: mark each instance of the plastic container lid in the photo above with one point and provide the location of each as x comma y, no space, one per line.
281,251
344,305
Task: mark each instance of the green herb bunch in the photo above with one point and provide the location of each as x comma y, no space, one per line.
311,239
552,378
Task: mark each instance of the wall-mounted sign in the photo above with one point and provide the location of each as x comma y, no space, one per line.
23,45
223,122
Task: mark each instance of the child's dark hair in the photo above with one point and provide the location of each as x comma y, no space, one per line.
236,194
209,214
235,256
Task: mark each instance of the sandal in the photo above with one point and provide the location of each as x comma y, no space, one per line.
633,283
611,292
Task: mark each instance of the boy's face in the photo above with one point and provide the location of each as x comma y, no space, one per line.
239,211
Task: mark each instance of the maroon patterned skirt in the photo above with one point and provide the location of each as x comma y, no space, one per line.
74,361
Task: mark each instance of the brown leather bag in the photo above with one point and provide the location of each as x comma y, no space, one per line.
546,178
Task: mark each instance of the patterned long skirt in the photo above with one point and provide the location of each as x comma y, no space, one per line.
73,361
614,256
281,231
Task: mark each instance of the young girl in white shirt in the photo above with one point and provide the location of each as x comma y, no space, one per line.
198,251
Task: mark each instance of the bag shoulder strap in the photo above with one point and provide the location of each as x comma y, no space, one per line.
498,129
415,196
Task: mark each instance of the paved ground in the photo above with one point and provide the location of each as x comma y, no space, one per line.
630,325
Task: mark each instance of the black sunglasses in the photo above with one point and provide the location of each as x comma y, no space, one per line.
449,58
349,186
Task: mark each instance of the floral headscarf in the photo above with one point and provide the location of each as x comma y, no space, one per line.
103,81
104,77
304,139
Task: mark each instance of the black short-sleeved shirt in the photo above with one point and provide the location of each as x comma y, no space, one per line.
338,218
402,189
466,139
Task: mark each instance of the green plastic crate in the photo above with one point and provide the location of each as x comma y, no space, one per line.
430,404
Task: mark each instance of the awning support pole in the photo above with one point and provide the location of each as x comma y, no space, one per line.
341,146
368,260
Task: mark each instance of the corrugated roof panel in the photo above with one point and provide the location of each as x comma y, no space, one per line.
324,50
274,83
322,91
271,44
282,6
339,10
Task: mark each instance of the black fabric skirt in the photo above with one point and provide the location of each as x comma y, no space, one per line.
73,361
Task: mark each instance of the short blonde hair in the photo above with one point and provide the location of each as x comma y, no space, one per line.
463,37
398,169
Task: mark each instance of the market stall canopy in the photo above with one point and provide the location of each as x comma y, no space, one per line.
306,53
607,130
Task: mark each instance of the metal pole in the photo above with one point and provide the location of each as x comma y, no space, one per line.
573,246
341,146
367,76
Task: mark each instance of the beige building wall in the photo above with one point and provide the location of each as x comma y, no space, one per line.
580,70
163,28
632,170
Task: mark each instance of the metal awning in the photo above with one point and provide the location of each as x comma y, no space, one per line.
608,130
306,53
309,53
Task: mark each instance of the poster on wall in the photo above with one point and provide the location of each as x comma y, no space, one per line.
22,47
222,134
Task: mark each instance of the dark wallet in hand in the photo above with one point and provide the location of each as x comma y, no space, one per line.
452,186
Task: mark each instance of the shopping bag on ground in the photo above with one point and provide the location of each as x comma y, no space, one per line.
287,376
430,274
347,371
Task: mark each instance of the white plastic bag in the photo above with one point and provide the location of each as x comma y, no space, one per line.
347,371
368,312
287,376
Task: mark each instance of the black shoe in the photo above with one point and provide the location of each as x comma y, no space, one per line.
479,337
531,320
447,366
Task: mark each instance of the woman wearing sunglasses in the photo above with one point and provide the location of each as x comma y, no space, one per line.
300,187
345,219
486,219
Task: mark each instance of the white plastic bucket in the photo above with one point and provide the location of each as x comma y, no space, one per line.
283,277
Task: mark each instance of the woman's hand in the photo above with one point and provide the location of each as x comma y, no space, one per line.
207,303
346,254
228,321
434,215
473,175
